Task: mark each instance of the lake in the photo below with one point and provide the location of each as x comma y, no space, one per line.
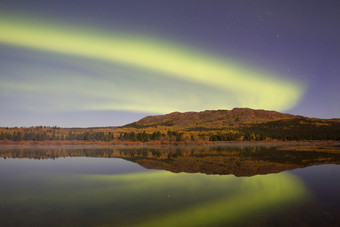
188,185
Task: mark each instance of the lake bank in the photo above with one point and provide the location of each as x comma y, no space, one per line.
117,142
328,146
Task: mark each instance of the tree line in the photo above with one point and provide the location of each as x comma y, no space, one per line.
284,130
56,134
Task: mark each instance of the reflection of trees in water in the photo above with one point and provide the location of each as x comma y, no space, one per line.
211,160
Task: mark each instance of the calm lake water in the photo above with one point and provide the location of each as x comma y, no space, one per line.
168,186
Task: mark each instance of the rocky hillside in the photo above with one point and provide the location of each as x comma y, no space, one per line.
211,118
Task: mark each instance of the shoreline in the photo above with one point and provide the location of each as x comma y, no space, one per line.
4,143
305,146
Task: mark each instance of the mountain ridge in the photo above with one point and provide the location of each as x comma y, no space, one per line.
213,118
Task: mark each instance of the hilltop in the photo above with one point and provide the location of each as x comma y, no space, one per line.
212,118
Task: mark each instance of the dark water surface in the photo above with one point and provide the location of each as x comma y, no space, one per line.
168,186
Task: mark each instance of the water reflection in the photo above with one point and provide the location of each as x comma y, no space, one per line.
72,186
240,160
157,198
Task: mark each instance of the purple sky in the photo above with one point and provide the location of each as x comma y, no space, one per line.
297,39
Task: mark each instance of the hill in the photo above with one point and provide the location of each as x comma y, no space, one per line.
238,124
212,118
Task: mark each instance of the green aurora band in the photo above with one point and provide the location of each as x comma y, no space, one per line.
158,198
229,84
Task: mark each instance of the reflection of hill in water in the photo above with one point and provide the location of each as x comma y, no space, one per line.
240,161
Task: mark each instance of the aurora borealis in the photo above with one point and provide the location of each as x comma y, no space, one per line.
148,198
83,65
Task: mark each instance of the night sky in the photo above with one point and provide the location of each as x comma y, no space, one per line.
93,63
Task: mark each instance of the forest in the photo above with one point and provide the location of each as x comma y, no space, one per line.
281,130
